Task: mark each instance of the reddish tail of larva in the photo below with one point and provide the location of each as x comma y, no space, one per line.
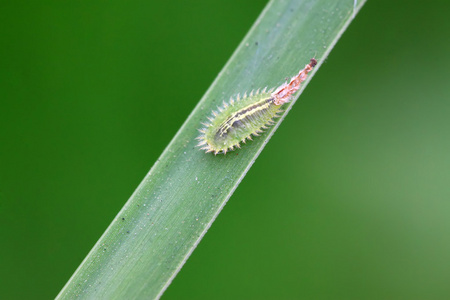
283,93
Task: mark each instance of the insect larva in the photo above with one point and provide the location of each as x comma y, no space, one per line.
238,120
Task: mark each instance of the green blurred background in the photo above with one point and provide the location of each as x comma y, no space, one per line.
359,173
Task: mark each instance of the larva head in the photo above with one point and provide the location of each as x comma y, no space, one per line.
313,62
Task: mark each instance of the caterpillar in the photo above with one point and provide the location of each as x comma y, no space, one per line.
239,119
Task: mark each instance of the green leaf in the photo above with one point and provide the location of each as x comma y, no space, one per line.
161,224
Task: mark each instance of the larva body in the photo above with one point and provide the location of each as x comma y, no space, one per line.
238,120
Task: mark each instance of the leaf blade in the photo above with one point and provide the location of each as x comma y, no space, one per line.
164,220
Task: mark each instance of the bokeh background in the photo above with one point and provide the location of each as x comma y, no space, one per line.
91,92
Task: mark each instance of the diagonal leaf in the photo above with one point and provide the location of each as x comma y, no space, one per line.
168,214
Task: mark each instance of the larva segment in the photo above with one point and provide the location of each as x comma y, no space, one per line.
247,116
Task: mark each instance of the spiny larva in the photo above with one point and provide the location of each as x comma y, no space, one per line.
239,119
